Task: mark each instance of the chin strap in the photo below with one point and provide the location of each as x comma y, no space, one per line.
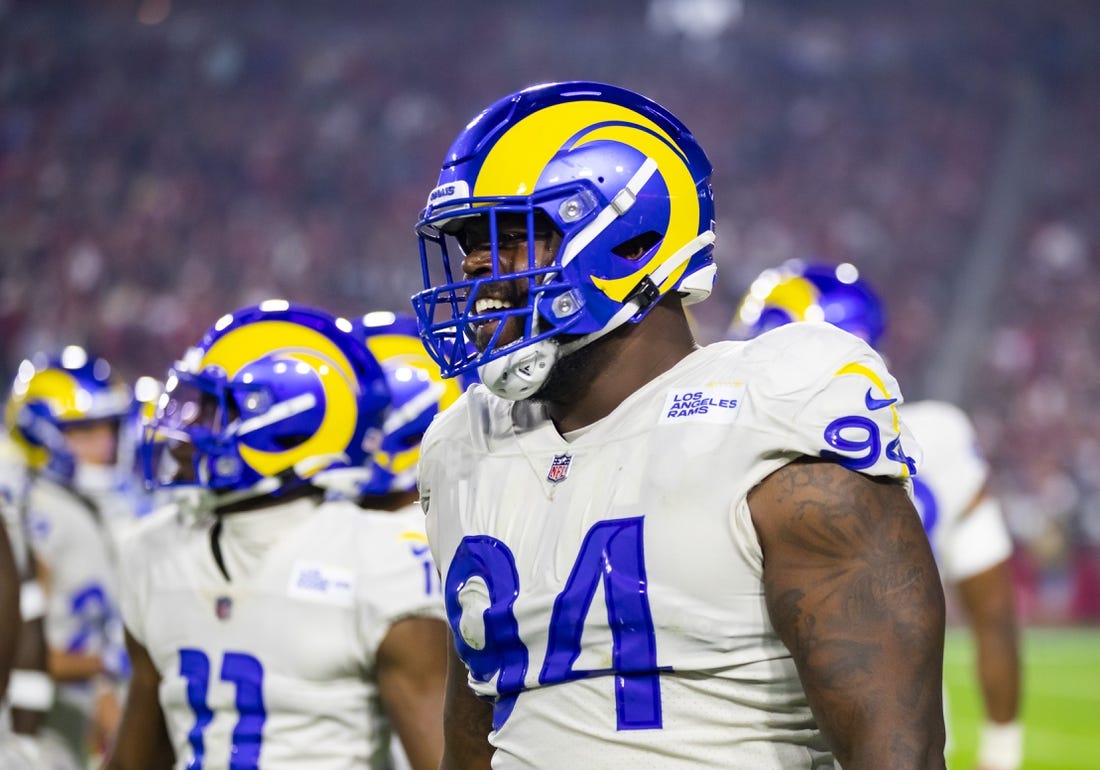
521,374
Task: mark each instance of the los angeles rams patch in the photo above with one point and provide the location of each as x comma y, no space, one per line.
321,583
713,404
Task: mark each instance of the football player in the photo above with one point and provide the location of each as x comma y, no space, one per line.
64,413
275,628
654,554
417,394
961,516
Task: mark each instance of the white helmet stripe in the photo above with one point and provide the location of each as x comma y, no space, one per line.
619,205
415,407
659,276
281,411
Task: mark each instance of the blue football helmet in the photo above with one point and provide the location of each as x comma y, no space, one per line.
804,291
55,393
619,179
274,396
417,392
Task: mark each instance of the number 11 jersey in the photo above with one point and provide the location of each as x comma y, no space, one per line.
273,664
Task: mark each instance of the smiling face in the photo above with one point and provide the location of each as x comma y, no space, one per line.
514,252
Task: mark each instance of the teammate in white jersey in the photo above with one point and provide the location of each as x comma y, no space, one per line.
277,629
64,413
655,555
962,518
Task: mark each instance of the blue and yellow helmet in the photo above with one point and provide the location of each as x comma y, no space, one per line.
622,181
272,396
53,393
417,392
806,291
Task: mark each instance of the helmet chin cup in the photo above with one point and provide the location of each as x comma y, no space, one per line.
520,374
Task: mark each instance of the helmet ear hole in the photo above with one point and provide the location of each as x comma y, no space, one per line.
291,441
635,247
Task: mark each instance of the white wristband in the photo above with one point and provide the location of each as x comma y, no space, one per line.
1001,746
30,690
32,600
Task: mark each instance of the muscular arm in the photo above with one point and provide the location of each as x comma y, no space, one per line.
991,610
853,591
412,672
467,722
143,742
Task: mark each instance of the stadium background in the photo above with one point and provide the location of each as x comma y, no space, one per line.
163,162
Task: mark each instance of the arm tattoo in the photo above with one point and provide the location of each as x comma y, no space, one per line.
853,591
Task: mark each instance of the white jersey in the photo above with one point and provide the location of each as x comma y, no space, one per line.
273,666
606,592
966,529
118,496
81,607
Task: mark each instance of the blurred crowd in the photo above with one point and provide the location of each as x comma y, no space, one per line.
162,163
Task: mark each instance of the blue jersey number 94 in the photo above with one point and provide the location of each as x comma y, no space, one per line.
611,554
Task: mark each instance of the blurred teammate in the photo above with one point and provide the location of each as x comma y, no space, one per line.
417,394
64,414
276,629
119,489
962,518
654,555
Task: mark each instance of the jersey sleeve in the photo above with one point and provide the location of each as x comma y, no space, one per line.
978,541
953,466
402,580
965,524
842,402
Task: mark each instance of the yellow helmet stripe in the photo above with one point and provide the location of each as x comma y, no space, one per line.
524,151
795,295
402,350
238,348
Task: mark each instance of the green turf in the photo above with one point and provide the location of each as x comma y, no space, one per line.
1061,705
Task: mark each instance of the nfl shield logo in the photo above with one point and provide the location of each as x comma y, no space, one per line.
222,607
559,469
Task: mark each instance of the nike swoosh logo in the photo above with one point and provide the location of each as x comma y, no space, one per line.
877,403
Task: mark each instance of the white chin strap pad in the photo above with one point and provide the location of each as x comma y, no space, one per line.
521,374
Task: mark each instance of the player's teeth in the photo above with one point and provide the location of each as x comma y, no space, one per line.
486,305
